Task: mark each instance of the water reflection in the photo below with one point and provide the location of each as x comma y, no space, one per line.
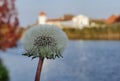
83,61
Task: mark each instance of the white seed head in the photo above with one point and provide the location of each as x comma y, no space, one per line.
45,41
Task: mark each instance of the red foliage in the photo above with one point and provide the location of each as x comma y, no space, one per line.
9,24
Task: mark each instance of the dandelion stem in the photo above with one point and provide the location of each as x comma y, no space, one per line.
39,69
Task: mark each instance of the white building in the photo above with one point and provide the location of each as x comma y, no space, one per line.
80,21
42,18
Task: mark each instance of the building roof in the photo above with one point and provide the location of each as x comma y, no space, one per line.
113,19
54,20
42,13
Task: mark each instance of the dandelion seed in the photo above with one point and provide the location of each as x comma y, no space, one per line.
44,41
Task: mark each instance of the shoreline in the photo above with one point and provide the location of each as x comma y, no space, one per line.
94,33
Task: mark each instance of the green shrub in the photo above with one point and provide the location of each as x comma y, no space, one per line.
3,72
109,32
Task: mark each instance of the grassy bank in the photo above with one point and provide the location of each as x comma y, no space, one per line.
110,32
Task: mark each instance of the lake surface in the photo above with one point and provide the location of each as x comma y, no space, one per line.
83,61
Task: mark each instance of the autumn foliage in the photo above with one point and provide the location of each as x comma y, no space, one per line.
9,24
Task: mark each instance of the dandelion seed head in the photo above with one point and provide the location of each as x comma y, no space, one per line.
46,41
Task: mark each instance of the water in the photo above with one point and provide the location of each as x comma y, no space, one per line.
83,61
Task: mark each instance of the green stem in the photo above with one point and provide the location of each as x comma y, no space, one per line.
39,69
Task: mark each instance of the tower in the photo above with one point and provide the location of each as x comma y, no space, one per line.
42,18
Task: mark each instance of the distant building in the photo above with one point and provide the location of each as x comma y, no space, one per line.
113,19
97,23
80,21
42,18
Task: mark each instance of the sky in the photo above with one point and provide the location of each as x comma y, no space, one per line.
29,9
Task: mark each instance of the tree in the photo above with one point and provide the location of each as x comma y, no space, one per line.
9,24
3,72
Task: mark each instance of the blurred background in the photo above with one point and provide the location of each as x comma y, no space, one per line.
93,29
